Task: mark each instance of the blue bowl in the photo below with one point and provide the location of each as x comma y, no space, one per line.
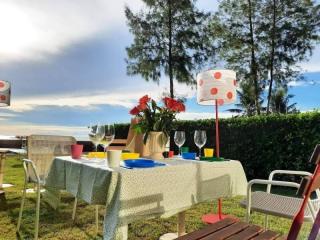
189,155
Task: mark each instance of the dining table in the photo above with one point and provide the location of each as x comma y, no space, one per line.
131,194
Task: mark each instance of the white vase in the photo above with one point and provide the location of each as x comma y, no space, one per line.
157,144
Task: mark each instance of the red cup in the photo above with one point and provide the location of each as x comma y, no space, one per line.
171,153
76,151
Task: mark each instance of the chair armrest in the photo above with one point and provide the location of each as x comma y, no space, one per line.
287,172
26,163
269,182
272,182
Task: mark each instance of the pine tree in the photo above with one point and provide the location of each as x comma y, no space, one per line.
291,29
170,38
264,41
238,44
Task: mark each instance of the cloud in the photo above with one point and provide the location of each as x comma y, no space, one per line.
297,84
124,97
5,116
28,129
313,64
80,132
306,83
35,28
89,102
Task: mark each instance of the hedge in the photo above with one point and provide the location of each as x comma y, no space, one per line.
261,143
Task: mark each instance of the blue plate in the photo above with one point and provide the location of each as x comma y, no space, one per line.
141,163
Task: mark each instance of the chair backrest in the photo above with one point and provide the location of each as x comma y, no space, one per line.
43,148
307,186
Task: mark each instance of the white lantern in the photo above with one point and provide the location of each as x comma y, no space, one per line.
216,86
5,92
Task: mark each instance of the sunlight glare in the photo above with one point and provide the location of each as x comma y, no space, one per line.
17,31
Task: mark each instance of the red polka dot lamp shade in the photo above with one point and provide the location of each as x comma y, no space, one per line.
217,85
5,92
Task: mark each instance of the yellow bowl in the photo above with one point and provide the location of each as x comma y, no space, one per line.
126,156
96,155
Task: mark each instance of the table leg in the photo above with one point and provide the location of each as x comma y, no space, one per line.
181,223
181,227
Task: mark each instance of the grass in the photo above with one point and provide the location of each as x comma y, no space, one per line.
58,224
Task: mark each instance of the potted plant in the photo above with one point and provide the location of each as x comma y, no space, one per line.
156,122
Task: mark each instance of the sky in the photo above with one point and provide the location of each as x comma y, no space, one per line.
66,63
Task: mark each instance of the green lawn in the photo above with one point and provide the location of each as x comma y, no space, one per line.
58,224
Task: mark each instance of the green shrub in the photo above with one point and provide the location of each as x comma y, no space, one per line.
261,143
121,130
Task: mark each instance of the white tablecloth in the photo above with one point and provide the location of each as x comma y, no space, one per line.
144,193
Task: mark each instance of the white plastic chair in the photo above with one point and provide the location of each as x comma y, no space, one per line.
31,176
275,204
41,151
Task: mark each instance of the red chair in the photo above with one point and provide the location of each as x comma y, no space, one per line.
233,229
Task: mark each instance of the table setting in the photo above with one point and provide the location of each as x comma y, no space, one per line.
131,193
139,193
132,186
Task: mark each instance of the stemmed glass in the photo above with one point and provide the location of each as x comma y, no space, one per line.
200,139
179,139
108,136
96,134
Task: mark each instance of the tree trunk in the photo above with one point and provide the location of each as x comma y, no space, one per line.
272,55
254,70
170,49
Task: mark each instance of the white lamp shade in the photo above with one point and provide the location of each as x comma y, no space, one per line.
5,92
217,85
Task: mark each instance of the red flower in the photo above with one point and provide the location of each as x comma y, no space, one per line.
174,105
169,102
134,111
142,106
144,99
181,107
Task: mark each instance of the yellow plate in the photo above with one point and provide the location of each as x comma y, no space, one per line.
125,156
96,155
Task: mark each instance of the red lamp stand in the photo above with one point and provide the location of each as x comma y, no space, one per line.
211,217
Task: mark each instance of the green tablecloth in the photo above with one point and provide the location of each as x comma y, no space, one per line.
133,194
89,182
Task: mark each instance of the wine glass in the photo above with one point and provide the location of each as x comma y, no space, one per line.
200,139
96,134
108,136
179,139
